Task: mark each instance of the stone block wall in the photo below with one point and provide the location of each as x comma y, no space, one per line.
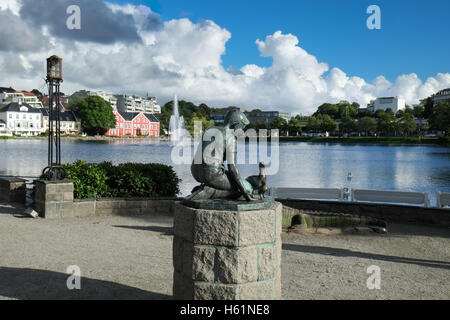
122,206
12,190
54,199
227,255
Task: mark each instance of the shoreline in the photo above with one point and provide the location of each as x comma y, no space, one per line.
441,141
90,138
372,140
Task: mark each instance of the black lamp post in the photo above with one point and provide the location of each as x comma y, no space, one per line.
54,171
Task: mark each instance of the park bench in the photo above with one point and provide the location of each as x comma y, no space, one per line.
308,193
443,200
386,196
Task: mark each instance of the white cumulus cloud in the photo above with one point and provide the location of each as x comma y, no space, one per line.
185,58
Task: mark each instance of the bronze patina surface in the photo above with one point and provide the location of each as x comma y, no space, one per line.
217,181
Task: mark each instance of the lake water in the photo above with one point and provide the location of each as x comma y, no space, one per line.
301,164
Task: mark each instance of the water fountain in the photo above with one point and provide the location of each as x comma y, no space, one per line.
178,133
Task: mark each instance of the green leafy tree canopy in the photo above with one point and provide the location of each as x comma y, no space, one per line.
96,115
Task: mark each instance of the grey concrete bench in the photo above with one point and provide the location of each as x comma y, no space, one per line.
443,200
386,196
307,193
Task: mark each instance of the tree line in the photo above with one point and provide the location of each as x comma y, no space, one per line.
345,118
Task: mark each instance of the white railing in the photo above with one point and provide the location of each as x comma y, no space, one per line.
443,200
386,196
360,195
308,193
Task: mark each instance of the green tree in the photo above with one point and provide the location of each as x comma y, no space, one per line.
407,124
367,125
280,124
347,110
37,93
356,105
327,123
313,124
295,127
418,112
329,109
400,113
408,109
427,105
75,101
186,109
260,124
440,118
389,111
96,115
348,125
386,123
365,113
201,118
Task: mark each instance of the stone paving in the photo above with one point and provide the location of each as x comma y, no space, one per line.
130,257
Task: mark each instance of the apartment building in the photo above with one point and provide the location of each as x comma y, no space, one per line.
133,103
383,103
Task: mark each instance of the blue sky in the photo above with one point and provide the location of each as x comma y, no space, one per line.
413,36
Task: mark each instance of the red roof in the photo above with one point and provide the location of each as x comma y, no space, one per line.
26,93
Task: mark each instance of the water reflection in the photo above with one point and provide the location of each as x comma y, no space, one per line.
409,168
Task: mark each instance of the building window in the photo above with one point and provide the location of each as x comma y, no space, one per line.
10,116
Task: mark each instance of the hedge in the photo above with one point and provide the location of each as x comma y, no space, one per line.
100,180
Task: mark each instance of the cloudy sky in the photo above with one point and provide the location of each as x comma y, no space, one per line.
279,55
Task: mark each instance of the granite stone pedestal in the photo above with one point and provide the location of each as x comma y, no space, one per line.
13,189
227,255
54,199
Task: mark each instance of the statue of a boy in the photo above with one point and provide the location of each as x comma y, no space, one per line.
219,143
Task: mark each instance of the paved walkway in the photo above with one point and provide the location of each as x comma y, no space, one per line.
131,258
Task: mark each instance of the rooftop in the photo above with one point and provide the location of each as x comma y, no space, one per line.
129,116
7,90
16,107
443,92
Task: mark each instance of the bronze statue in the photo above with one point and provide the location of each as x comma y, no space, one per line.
219,144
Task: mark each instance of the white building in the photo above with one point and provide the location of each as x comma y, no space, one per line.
4,130
21,97
383,103
106,96
441,95
21,119
132,103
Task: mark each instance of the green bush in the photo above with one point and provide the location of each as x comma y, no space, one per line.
445,140
124,180
89,180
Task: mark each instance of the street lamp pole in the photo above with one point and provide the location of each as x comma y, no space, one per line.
54,171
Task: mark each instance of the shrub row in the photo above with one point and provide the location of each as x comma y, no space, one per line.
99,180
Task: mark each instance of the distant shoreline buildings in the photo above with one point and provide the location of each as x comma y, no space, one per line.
135,115
383,103
441,96
26,114
255,116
